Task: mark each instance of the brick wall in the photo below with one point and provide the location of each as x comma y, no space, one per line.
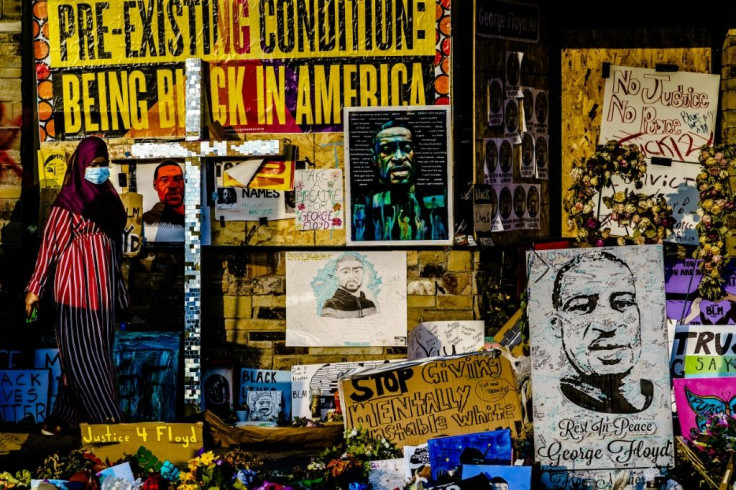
244,305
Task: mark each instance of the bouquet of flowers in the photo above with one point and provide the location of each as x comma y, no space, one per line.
647,218
715,207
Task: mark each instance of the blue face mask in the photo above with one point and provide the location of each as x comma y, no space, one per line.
97,175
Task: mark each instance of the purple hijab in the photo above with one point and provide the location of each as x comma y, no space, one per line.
98,203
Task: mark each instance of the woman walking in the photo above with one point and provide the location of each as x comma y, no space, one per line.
82,247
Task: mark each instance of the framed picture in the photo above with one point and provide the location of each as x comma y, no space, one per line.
398,175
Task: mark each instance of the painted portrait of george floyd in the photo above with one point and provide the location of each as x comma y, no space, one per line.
399,182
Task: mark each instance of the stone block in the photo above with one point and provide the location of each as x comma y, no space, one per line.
269,301
446,315
433,257
459,260
412,258
454,302
457,283
237,306
421,301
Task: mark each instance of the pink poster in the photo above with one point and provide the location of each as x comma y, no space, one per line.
698,399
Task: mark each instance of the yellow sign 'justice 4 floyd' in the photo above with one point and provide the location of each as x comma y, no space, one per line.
414,401
177,443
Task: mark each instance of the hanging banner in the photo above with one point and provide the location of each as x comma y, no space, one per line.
117,67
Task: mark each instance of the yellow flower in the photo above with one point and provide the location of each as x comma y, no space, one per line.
207,458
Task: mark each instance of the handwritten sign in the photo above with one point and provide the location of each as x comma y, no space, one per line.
24,393
319,199
677,184
445,338
175,442
668,114
414,401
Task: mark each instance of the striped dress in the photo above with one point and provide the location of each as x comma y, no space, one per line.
87,283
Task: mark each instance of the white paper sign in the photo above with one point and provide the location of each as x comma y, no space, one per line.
445,338
319,199
668,114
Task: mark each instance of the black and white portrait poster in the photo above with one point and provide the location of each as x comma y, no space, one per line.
498,158
398,175
495,99
600,362
347,298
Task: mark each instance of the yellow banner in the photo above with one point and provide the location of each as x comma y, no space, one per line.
117,32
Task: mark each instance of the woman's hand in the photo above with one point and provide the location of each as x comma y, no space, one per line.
31,302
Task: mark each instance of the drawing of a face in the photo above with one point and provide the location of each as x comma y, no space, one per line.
597,314
512,69
350,273
528,105
264,406
540,107
393,152
505,202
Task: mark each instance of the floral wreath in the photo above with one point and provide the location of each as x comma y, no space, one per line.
716,206
647,218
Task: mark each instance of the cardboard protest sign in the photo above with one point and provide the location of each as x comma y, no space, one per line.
24,393
414,401
699,399
599,350
445,338
175,442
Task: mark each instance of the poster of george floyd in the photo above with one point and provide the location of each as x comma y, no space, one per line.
412,402
600,363
398,175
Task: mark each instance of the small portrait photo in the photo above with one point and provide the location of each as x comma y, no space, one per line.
491,155
495,96
532,201
506,156
527,149
528,105
542,152
511,116
513,69
519,201
505,202
540,107
227,198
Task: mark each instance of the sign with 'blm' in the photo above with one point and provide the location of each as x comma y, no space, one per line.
412,402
